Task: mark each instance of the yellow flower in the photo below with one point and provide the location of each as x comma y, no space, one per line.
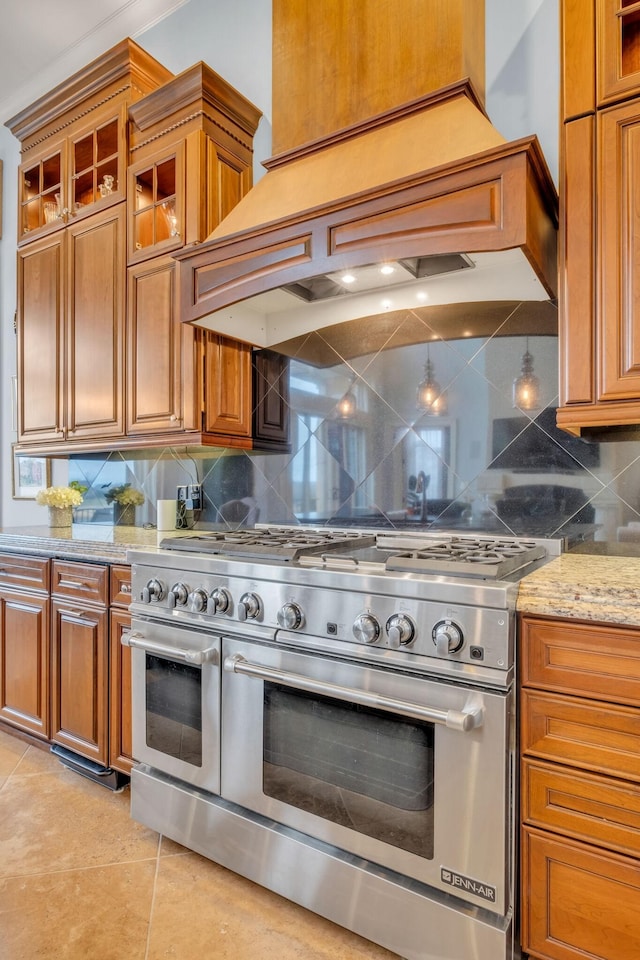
59,497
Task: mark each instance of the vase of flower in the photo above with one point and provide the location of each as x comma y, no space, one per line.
60,516
124,514
60,501
125,499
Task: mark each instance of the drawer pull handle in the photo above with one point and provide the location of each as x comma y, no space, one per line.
80,584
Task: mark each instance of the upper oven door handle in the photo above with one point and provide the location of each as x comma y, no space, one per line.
470,717
171,653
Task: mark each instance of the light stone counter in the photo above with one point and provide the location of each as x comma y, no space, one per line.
585,587
82,541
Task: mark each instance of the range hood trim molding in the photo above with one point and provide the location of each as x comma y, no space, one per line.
463,87
496,200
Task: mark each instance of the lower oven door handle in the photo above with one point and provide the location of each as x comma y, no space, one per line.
470,717
171,653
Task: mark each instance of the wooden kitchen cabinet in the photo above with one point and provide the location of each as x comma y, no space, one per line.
70,341
580,789
600,148
191,146
271,401
125,163
72,253
80,658
24,643
74,176
74,140
120,750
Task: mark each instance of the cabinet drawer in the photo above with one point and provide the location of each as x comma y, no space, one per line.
586,807
583,659
120,586
80,581
28,573
577,901
596,736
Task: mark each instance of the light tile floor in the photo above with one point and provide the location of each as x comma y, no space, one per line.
79,879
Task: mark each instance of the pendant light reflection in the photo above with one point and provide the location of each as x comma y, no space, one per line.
430,397
526,386
347,406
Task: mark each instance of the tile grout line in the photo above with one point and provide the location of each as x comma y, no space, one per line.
153,898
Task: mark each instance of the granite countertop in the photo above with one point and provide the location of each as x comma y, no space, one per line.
82,541
585,586
590,585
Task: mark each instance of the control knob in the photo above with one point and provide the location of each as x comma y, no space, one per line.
249,607
178,595
366,628
447,637
401,630
197,601
290,616
153,591
219,601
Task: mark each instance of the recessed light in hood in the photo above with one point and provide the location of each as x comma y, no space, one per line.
376,276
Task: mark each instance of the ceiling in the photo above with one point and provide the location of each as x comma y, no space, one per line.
42,43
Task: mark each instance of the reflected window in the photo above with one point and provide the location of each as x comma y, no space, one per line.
428,451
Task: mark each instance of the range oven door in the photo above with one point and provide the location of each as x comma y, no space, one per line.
175,679
421,786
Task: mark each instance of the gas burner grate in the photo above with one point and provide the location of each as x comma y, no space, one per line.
274,544
467,556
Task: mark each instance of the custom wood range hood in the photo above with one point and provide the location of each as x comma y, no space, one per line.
384,152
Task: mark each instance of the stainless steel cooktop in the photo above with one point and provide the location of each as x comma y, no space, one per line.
485,557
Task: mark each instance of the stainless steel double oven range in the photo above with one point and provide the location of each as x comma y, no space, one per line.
331,714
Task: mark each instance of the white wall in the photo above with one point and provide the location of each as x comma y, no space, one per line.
234,38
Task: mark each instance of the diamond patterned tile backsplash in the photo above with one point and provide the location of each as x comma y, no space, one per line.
362,452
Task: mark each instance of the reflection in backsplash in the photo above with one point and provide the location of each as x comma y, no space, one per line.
363,452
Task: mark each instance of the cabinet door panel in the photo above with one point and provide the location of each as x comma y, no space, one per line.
79,694
577,273
619,251
227,386
270,400
27,573
581,658
96,325
596,736
120,751
120,586
41,345
79,581
24,662
154,354
578,53
584,806
579,902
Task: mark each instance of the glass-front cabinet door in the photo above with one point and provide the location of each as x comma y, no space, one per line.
73,176
156,204
41,193
618,43
95,159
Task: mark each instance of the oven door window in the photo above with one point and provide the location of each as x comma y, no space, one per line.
361,768
174,709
